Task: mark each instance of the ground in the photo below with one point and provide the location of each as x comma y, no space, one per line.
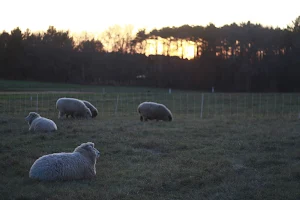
217,157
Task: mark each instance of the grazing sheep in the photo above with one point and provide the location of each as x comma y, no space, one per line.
73,107
92,108
80,164
40,124
152,110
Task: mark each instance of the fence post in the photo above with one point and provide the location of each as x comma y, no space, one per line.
48,104
41,100
291,106
259,104
187,105
223,105
245,99
25,96
282,104
267,106
180,103
230,103
202,101
194,107
215,104
208,99
20,100
127,98
8,103
237,105
37,102
102,101
121,103
298,106
252,104
133,102
173,102
275,105
116,109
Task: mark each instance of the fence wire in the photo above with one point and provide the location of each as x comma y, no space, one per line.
14,106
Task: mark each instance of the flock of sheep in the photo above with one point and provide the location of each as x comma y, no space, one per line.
81,163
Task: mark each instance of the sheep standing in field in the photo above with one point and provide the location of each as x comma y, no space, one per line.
40,124
152,110
73,107
92,108
80,164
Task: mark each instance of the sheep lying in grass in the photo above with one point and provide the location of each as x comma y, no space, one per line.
40,124
80,164
152,110
73,107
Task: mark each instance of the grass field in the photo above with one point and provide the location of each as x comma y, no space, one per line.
227,154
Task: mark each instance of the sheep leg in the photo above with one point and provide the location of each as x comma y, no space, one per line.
60,114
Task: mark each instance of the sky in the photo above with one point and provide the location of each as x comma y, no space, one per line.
96,16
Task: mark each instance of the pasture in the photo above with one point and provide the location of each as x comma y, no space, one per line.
219,146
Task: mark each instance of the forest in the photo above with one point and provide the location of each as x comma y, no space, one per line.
244,57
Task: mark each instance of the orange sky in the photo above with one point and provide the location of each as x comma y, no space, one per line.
94,16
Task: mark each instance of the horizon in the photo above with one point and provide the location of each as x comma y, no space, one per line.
89,21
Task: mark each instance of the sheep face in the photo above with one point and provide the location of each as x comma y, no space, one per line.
170,118
92,108
31,116
89,114
88,150
94,113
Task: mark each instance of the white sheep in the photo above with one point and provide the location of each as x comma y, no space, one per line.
92,108
40,124
153,110
80,164
73,107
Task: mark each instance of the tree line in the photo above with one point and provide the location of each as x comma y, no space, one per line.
238,58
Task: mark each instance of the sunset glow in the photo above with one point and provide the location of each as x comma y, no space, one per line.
188,49
94,17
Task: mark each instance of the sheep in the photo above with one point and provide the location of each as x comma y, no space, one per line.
40,124
76,165
92,108
73,107
153,110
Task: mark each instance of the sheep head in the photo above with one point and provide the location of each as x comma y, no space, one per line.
31,116
88,150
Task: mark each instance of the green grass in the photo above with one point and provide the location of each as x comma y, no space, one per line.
185,159
245,146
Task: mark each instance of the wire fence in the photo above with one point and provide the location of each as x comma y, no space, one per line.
182,105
